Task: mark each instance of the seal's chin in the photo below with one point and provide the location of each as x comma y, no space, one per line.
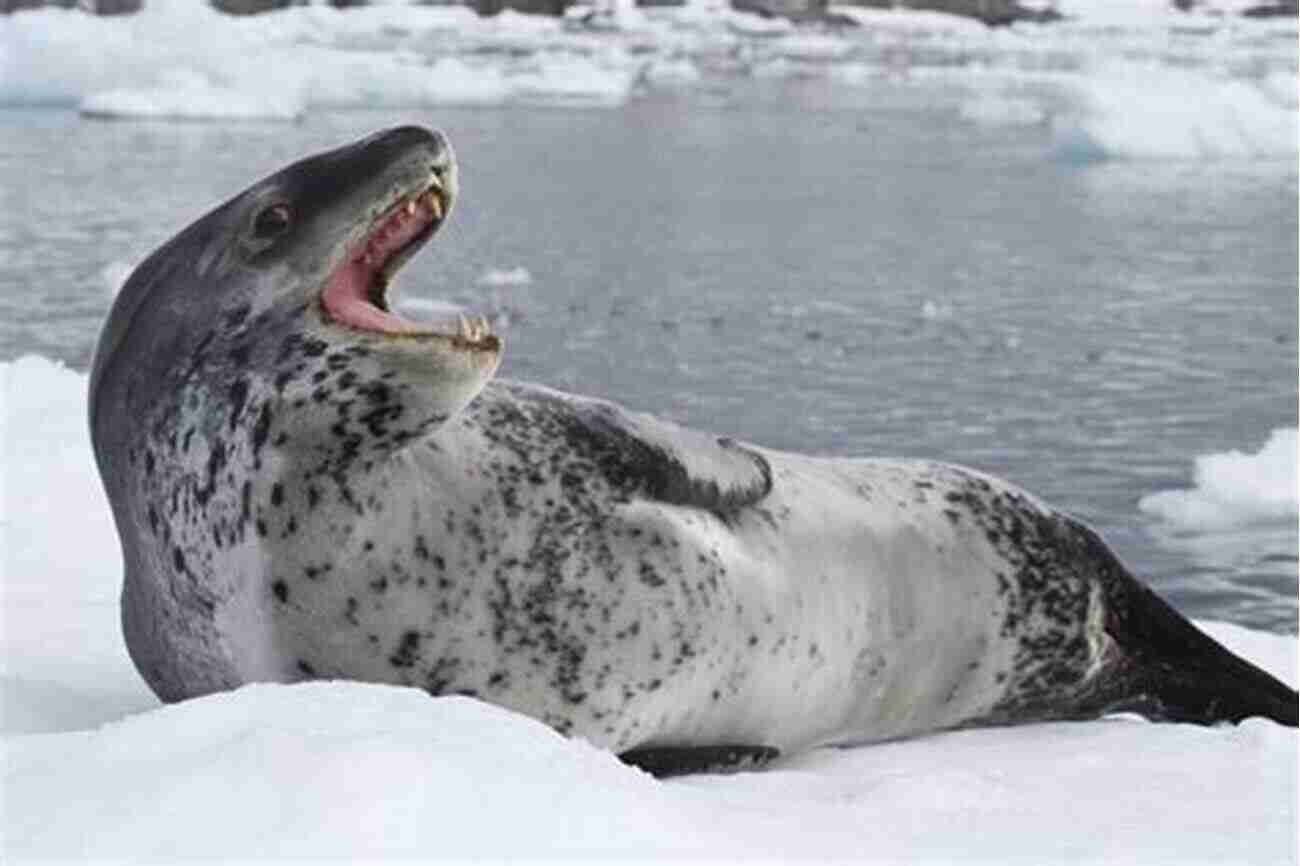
356,293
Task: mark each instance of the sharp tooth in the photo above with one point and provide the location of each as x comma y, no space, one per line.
465,332
410,207
483,327
435,204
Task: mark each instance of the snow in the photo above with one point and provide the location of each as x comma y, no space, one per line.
95,767
1234,489
336,769
1118,79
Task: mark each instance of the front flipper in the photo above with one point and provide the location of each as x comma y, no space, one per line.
670,463
664,761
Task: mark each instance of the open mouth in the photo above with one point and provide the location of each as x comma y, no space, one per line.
356,293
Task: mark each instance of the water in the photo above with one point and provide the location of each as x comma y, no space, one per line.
852,272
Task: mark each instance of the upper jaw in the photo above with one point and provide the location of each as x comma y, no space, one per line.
423,212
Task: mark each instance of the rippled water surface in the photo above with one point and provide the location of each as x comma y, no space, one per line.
862,274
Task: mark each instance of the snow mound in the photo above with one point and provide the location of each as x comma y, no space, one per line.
1148,111
356,770
1234,489
51,473
318,769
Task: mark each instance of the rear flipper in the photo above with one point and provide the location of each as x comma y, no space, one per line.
1169,670
665,761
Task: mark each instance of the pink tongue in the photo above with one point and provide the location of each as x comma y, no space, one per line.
344,296
345,301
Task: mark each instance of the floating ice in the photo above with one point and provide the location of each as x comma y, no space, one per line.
1142,81
933,310
1151,111
1234,489
516,276
427,310
403,81
577,81
184,94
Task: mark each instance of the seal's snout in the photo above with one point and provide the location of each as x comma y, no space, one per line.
403,139
404,142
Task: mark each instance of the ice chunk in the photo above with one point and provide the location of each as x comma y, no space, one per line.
1234,489
186,94
1155,111
496,277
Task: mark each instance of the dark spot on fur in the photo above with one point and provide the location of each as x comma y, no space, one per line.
235,317
238,396
261,428
407,651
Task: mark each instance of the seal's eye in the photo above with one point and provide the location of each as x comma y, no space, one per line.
272,222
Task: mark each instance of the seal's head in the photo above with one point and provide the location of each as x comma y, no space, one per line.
285,286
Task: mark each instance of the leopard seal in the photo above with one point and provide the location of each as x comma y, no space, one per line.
307,485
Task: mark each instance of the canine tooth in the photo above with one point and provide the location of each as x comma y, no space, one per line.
435,204
464,327
410,207
484,328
